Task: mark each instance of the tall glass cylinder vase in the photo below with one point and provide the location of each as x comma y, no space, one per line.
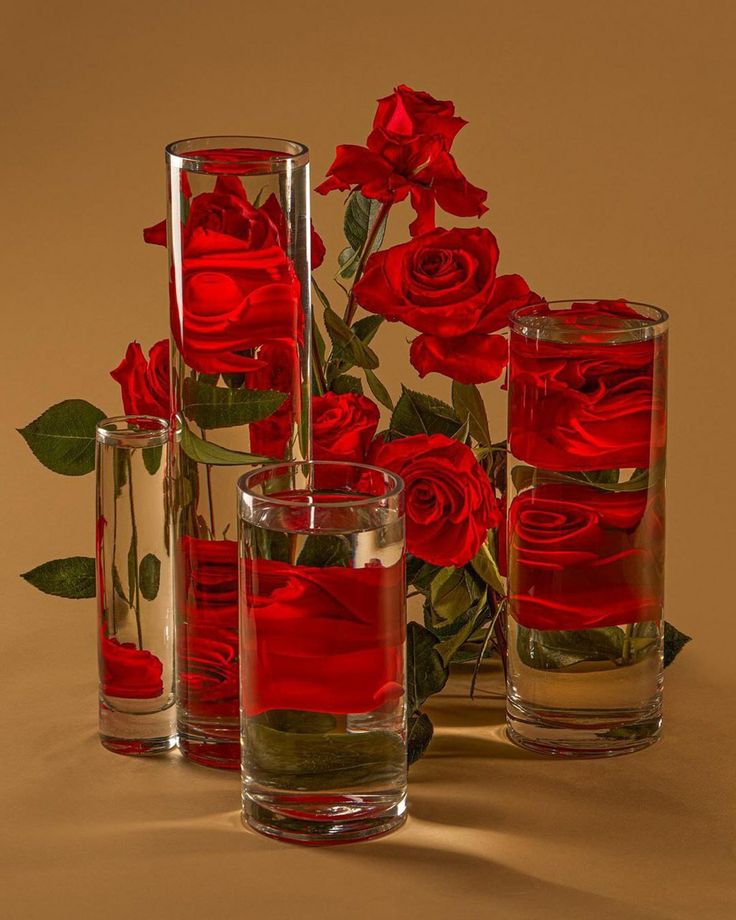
587,435
239,259
323,632
135,626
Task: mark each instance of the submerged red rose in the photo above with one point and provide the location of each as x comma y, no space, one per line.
591,402
144,384
450,503
408,153
322,639
129,672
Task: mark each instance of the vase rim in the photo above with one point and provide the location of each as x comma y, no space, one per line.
200,154
394,485
134,431
537,319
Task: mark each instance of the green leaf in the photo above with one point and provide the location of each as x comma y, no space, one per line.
379,390
463,628
63,437
152,458
524,477
202,451
555,649
419,736
321,295
348,260
486,566
360,214
347,383
314,761
367,327
73,577
318,340
453,592
425,671
132,567
416,413
324,550
218,407
346,343
420,574
295,720
674,642
118,586
468,403
150,576
234,381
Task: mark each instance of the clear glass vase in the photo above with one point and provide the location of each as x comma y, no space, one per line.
585,526
135,625
239,262
323,633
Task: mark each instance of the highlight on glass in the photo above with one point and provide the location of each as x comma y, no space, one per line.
323,634
239,280
135,623
586,492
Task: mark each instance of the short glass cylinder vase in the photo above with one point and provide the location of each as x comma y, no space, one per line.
240,311
323,635
135,626
586,492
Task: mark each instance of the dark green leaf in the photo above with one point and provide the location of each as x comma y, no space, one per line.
348,260
73,577
118,586
420,574
347,346
202,451
468,402
318,340
234,381
367,327
218,407
325,549
379,390
463,628
152,458
555,649
674,642
416,413
295,720
347,383
63,437
132,568
150,576
524,477
425,672
360,214
486,566
453,592
321,295
419,736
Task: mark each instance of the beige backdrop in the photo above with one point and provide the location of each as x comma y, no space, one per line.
605,135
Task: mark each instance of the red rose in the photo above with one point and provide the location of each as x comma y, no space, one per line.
450,503
582,558
466,358
343,426
129,672
280,372
587,404
145,384
407,153
318,249
208,636
322,639
238,287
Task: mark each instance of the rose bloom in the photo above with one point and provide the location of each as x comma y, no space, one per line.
129,672
444,284
587,404
144,384
343,426
450,503
280,372
408,154
208,639
326,639
583,558
239,289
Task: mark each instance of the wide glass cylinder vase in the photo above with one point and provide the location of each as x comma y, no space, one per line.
586,491
323,634
239,262
135,624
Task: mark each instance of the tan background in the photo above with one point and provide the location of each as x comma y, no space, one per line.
605,135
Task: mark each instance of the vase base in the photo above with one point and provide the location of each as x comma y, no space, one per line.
323,820
582,733
138,747
217,747
137,734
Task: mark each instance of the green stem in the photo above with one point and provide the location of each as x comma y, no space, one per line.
370,239
134,588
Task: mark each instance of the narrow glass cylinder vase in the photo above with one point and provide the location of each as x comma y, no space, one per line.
135,626
323,633
239,262
587,437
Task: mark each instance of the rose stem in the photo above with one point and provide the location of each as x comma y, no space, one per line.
367,246
134,550
208,475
